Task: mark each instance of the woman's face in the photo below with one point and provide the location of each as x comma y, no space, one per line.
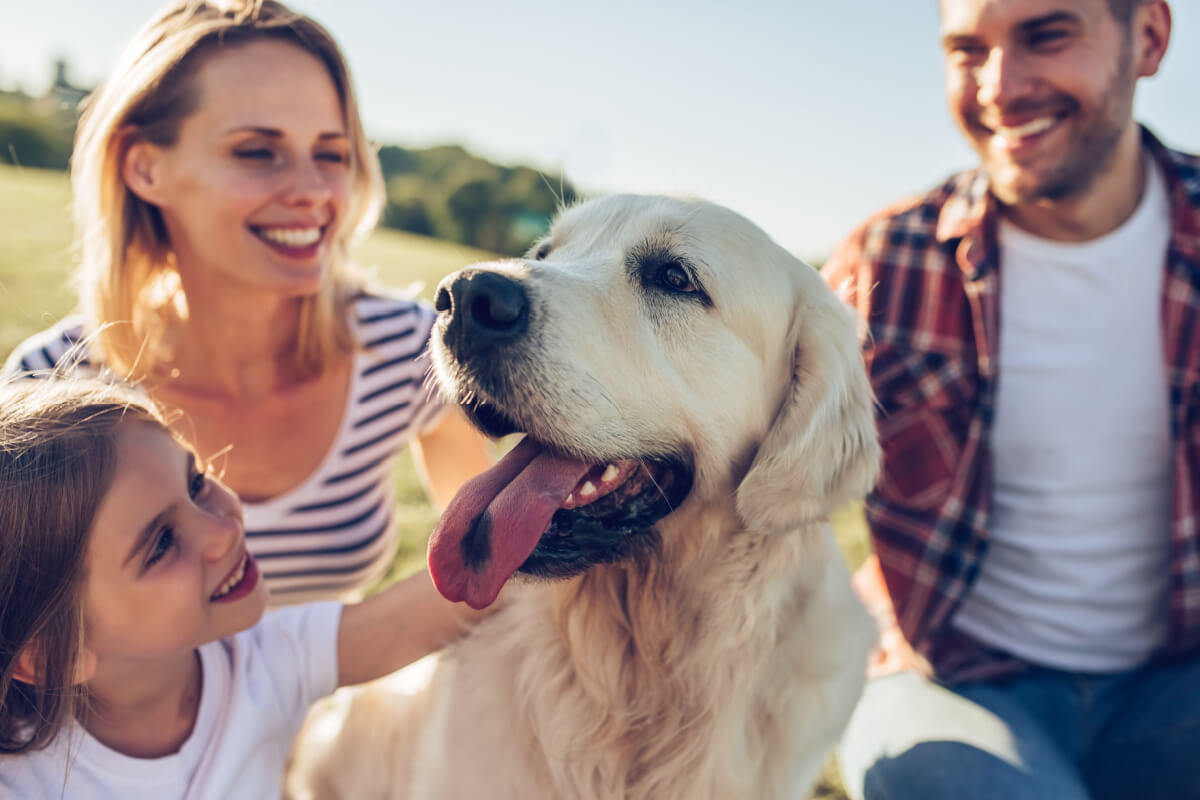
254,188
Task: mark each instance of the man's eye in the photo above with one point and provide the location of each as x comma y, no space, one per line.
163,542
1047,38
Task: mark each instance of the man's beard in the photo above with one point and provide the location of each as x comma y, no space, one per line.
1091,151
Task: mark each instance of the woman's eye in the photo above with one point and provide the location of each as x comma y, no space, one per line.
254,154
197,484
163,543
674,277
333,158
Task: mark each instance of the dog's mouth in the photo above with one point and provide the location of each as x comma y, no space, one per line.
545,513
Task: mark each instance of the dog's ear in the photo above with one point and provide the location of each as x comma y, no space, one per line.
822,449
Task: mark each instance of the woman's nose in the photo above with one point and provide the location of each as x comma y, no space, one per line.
309,185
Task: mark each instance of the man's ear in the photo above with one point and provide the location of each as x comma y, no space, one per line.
142,168
27,665
1151,32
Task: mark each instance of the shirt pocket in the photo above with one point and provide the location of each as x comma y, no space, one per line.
925,405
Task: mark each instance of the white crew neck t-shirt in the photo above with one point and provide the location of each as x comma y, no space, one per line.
257,688
1077,568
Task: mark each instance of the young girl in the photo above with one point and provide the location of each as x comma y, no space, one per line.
136,658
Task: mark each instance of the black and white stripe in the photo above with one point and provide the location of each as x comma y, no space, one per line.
332,535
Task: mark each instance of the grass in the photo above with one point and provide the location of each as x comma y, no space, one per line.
36,259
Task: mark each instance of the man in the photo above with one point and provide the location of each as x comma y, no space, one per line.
1035,349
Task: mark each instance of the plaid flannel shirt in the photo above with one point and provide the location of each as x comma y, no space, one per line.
924,275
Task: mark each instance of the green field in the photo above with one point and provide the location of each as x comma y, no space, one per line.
36,259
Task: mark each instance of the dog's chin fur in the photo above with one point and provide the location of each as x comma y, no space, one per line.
720,651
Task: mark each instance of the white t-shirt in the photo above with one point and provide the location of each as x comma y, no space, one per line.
257,687
1077,568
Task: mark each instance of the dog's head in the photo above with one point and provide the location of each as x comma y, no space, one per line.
657,353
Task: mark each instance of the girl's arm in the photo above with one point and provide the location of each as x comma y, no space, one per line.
396,627
410,619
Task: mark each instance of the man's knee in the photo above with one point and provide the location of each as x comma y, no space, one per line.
947,770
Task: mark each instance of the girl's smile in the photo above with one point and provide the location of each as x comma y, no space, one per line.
168,566
240,582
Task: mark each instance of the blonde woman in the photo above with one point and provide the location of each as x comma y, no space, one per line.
219,175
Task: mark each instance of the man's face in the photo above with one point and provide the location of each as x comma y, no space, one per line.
1043,90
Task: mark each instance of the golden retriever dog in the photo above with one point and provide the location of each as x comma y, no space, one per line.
694,406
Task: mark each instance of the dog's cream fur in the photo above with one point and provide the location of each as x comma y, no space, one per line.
724,662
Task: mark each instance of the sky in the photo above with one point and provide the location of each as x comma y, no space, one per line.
804,115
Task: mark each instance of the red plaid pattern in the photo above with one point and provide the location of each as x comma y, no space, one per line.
924,276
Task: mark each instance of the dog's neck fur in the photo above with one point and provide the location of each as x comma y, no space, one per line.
639,674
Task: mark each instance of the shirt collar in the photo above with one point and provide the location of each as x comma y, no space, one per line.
971,210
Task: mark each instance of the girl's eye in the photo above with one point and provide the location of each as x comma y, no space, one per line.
197,484
162,545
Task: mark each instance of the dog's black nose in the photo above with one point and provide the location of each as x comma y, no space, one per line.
482,309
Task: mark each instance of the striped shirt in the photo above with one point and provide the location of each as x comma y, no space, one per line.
332,535
924,275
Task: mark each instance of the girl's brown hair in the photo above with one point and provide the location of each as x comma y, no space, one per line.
126,272
57,458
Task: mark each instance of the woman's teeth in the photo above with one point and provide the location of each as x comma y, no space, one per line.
291,237
233,580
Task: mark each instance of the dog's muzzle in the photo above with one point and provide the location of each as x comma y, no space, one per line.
482,311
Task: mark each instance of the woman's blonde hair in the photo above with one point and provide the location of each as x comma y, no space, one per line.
58,441
126,273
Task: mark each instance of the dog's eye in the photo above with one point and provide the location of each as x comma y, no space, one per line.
673,277
541,252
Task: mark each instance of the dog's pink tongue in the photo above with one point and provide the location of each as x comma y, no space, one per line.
494,522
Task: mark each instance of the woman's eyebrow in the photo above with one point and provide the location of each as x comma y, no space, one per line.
276,133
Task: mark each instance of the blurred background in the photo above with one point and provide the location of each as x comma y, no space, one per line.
804,115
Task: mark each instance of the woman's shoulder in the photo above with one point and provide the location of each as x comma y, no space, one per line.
380,304
389,320
61,346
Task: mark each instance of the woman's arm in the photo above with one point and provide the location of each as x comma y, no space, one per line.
450,454
394,628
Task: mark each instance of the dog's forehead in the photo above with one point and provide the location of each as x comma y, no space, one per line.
690,228
621,221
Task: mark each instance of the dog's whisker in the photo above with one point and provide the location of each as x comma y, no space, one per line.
599,389
650,475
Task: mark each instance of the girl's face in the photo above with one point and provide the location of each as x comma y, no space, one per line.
253,190
167,563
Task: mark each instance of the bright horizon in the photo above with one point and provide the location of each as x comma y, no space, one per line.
803,115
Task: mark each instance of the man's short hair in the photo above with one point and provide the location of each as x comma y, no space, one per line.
1122,10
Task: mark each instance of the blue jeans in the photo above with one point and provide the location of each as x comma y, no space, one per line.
1048,735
